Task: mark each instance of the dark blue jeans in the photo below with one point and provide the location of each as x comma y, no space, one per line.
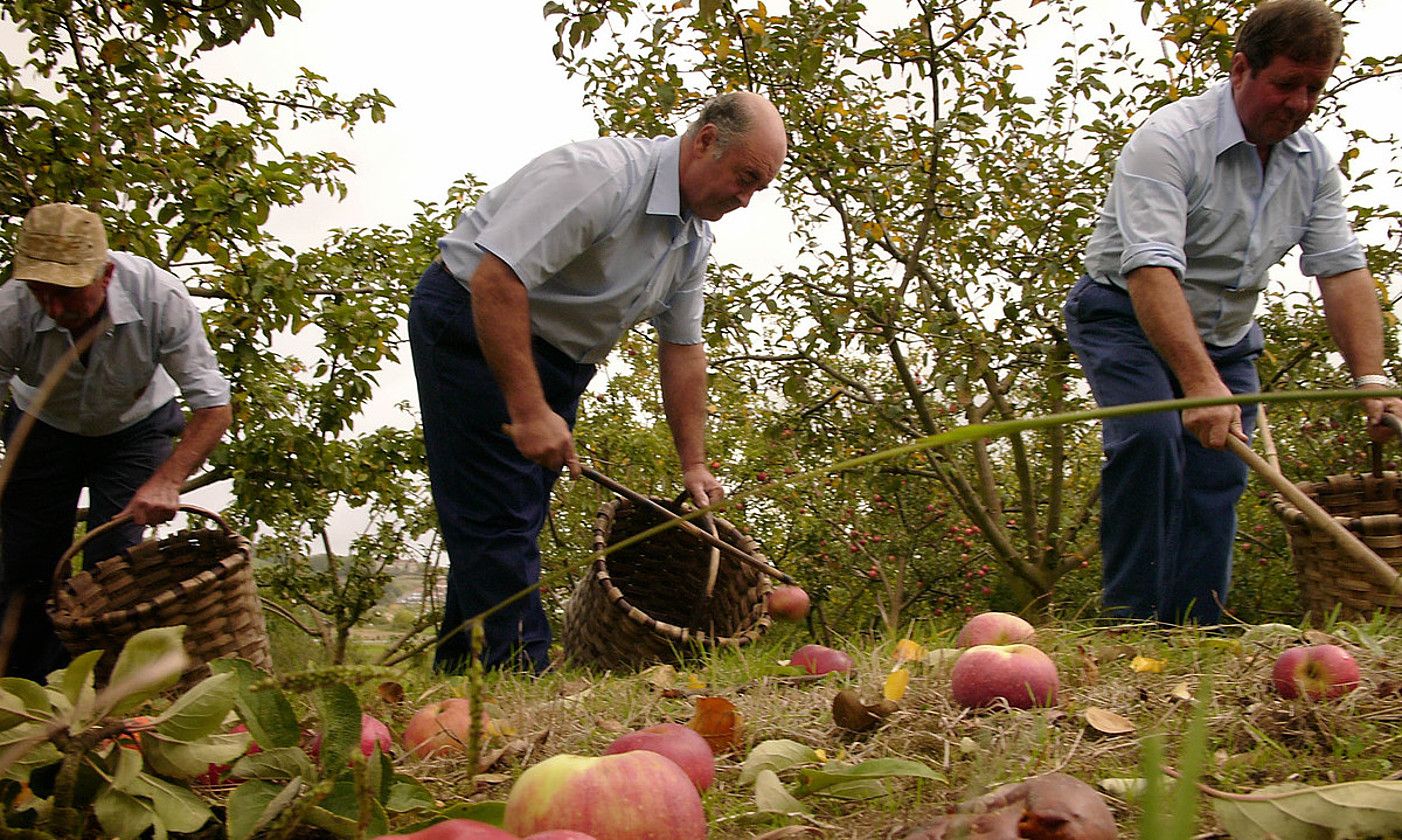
39,510
1168,504
491,501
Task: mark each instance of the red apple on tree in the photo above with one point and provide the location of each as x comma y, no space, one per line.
1318,671
636,795
817,659
789,603
994,628
1020,675
682,744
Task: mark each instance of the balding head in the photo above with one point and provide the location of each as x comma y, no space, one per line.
733,149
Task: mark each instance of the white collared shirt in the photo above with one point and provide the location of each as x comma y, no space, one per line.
1189,195
597,233
155,349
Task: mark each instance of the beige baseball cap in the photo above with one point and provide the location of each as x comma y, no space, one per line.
62,244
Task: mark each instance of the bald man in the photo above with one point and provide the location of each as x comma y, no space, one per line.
531,290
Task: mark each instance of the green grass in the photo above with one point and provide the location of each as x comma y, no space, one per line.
1249,738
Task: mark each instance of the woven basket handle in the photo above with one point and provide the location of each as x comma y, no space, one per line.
1393,422
64,568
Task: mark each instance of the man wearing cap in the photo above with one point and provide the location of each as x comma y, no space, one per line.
1209,194
111,422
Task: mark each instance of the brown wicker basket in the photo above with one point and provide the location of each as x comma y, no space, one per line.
1370,506
645,603
202,579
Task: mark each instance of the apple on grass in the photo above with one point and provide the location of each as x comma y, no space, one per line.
682,744
817,659
637,795
1020,675
443,727
1318,671
789,603
994,628
372,732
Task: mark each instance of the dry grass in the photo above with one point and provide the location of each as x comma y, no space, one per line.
1254,737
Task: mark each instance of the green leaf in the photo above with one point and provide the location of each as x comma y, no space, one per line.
407,794
153,659
776,755
277,763
771,796
201,710
33,696
340,726
42,752
185,760
76,680
122,815
491,813
255,804
129,764
177,807
267,713
1350,810
341,808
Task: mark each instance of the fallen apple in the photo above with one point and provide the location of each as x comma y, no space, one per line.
1020,675
217,772
372,732
682,744
817,659
637,795
442,727
1317,671
454,830
789,603
994,628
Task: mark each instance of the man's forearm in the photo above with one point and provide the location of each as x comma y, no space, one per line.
501,315
1355,321
682,371
1163,314
203,432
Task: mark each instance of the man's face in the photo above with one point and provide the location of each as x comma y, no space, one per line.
717,182
1274,102
72,308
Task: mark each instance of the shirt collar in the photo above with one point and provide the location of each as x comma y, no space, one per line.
120,307
1229,132
666,196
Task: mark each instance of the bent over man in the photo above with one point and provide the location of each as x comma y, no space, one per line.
111,423
531,290
1208,194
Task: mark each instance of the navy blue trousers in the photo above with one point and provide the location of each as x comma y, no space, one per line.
39,510
491,501
1168,504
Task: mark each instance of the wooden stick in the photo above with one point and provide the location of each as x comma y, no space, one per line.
737,553
1319,517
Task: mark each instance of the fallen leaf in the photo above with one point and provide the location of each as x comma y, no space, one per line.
772,796
1090,666
942,656
717,720
1124,788
775,755
1108,722
390,692
1350,810
1266,632
1229,645
1145,665
896,683
695,683
661,677
1319,637
850,713
1181,692
908,651
609,725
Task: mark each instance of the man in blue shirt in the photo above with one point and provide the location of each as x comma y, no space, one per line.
1208,194
110,422
532,288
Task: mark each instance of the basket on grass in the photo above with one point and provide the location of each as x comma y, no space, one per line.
201,578
1370,506
646,603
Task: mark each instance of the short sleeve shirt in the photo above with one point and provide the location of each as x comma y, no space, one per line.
155,350
597,233
1189,194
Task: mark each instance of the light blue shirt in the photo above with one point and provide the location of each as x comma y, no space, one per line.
1189,195
597,233
155,349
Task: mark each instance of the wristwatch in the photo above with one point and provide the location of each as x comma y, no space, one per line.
1373,379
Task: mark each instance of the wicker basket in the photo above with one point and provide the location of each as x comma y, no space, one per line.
202,579
1370,506
645,603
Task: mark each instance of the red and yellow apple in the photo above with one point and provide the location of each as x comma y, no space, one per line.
1020,675
817,659
1317,671
682,744
637,795
789,603
454,830
994,628
442,727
